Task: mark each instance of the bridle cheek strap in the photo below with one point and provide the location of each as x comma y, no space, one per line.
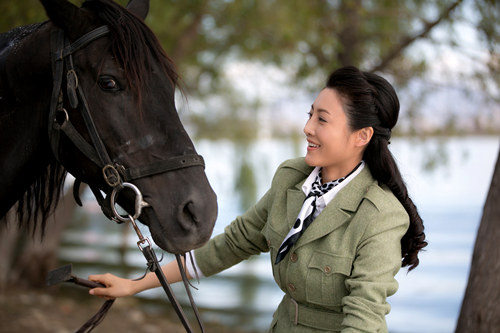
62,51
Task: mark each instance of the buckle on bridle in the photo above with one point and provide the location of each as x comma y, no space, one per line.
61,117
111,175
71,87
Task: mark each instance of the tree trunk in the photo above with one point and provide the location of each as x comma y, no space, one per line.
481,305
349,34
26,257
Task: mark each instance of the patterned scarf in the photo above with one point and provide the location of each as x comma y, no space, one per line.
306,214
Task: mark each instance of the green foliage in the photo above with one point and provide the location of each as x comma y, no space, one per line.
489,13
17,13
307,39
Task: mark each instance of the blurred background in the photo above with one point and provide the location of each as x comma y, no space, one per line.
250,70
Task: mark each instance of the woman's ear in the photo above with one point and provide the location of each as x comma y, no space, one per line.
364,136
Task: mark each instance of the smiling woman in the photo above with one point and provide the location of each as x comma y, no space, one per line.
338,223
331,143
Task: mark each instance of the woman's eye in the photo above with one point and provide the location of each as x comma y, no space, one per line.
107,83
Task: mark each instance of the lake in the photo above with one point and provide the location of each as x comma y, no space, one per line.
447,178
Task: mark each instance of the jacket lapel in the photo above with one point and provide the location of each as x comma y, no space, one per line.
339,210
295,199
330,219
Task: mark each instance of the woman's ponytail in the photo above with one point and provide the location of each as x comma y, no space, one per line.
370,101
384,169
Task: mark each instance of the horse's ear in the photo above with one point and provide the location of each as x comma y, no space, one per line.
65,15
139,7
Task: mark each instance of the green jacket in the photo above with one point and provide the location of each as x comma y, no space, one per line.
340,272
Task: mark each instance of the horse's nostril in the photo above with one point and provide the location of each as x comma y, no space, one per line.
189,211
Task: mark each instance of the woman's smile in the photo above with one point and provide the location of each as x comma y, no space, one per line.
312,146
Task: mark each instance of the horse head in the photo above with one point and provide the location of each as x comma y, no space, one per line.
126,82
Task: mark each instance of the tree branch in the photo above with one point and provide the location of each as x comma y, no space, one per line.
408,40
188,37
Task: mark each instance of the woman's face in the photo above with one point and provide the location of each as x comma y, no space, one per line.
331,143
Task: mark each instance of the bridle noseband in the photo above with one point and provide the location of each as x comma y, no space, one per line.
116,176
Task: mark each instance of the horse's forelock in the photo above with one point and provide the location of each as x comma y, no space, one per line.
133,44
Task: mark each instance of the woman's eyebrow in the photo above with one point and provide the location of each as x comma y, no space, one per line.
320,110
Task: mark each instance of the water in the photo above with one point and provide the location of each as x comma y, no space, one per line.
450,199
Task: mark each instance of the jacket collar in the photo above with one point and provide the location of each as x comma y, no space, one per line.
336,213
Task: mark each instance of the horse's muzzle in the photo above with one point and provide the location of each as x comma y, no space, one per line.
183,227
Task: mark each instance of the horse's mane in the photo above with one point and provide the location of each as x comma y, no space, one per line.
40,199
15,35
135,48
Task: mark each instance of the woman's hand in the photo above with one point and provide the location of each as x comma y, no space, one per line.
119,287
115,286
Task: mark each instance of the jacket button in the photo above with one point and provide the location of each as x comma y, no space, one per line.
327,269
291,287
293,257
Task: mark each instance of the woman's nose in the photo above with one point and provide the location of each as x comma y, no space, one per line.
308,128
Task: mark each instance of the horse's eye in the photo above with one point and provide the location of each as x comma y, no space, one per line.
108,83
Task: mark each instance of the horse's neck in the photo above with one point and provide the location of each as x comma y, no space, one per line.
26,72
25,94
11,44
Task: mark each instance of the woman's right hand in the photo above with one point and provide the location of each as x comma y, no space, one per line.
119,287
115,286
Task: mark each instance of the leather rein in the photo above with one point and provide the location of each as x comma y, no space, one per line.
116,176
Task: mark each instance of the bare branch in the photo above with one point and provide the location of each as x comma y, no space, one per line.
408,40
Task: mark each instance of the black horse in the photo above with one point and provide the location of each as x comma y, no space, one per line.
113,119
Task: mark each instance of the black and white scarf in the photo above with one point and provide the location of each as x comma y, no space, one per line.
307,213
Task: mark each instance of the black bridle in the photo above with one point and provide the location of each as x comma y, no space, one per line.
116,176
113,173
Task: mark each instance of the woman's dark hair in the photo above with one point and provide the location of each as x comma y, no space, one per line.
370,101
